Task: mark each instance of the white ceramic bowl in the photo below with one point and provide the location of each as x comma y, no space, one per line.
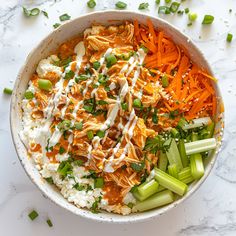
51,42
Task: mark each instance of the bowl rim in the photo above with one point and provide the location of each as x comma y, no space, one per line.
132,218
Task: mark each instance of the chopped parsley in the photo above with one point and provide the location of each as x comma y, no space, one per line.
61,150
137,166
69,75
49,180
79,187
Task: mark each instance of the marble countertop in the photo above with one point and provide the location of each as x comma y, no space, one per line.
210,211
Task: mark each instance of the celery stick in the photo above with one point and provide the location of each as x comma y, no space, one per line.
185,175
210,128
147,189
200,146
196,123
174,133
160,188
182,152
162,161
173,155
172,170
182,122
194,137
157,200
196,165
170,182
137,195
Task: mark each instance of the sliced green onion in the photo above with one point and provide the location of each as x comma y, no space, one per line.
33,215
174,7
49,222
186,10
124,106
91,3
79,125
172,170
167,1
99,182
111,60
162,161
45,13
185,175
229,37
196,165
196,123
101,133
180,12
165,81
174,133
164,10
137,166
65,168
121,5
90,134
137,103
64,17
182,123
49,180
194,137
69,75
29,95
192,16
147,189
173,154
7,91
143,6
26,11
199,146
208,19
154,116
210,129
158,1
96,65
81,78
56,25
157,200
170,182
61,150
182,152
34,12
45,84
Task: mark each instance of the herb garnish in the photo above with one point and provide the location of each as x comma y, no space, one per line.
137,166
64,17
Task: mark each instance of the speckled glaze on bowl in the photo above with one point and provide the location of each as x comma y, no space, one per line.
50,43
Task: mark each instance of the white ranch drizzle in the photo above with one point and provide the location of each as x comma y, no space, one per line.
109,162
53,103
